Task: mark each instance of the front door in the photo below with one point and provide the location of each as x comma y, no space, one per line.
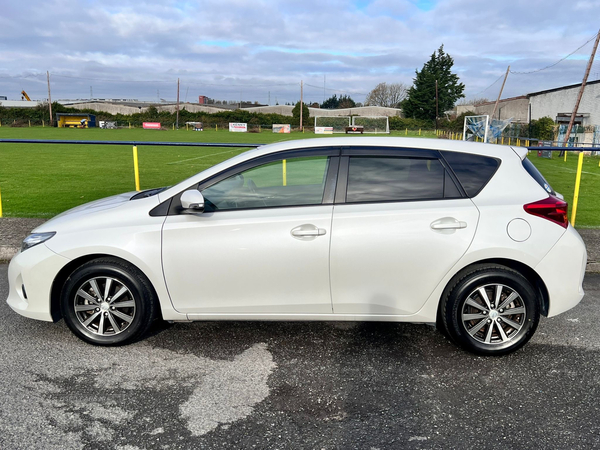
260,247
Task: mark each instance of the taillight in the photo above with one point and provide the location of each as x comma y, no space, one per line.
551,208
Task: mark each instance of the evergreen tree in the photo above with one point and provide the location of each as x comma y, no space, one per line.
420,103
305,114
331,103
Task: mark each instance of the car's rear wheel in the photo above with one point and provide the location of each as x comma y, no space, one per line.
491,310
108,302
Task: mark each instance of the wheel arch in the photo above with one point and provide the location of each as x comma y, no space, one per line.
529,273
68,269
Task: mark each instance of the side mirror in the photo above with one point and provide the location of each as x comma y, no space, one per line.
192,200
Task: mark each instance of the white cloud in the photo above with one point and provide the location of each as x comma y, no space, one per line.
273,43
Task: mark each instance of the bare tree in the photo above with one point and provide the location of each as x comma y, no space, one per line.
388,95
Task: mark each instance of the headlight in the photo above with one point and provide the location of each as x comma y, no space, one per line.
36,238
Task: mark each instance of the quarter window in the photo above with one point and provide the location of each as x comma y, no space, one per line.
381,179
288,182
473,171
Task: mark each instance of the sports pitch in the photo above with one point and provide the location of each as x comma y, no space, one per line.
39,180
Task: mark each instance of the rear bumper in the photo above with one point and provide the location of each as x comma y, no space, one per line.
30,278
562,270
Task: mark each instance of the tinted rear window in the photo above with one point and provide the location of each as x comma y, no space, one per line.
473,171
381,179
537,176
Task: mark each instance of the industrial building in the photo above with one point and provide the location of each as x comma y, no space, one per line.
556,103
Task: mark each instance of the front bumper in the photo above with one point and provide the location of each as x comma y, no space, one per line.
35,269
562,270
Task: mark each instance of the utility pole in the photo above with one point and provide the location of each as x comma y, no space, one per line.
436,105
177,121
324,79
500,94
269,98
301,91
49,99
91,93
585,77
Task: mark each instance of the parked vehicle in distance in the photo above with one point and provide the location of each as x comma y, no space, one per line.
465,235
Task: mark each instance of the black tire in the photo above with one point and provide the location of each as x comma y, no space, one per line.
509,332
129,304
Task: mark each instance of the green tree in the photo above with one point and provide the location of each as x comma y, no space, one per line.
543,128
346,102
331,103
305,114
420,103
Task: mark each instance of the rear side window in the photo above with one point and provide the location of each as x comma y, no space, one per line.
473,171
386,179
537,176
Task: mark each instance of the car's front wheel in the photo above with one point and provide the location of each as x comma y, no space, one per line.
491,310
107,301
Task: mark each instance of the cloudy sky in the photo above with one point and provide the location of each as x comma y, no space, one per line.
260,50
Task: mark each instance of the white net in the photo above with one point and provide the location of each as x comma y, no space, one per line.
372,124
339,124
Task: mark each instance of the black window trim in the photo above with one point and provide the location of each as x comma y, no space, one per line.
174,203
342,186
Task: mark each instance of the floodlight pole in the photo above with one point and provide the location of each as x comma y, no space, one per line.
436,105
301,101
177,120
585,77
49,99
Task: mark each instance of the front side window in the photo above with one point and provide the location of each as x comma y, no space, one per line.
287,182
385,179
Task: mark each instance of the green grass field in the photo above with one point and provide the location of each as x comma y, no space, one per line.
39,180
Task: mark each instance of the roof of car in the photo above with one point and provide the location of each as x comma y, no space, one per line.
496,151
398,142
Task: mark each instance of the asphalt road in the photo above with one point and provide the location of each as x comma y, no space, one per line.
299,385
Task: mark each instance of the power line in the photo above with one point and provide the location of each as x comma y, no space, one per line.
481,92
559,61
336,90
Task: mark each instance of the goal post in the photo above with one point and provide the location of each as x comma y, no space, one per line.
338,123
476,127
372,124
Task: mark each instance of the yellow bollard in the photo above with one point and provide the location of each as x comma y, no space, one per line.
30,124
565,156
130,125
216,127
136,169
577,183
284,173
406,132
527,143
502,140
509,140
0,203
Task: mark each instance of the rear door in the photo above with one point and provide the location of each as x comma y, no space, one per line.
400,222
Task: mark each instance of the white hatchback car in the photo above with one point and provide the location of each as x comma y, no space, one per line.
469,236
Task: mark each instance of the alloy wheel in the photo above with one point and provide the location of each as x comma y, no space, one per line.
104,306
493,314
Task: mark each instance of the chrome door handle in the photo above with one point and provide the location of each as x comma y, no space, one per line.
308,231
448,223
